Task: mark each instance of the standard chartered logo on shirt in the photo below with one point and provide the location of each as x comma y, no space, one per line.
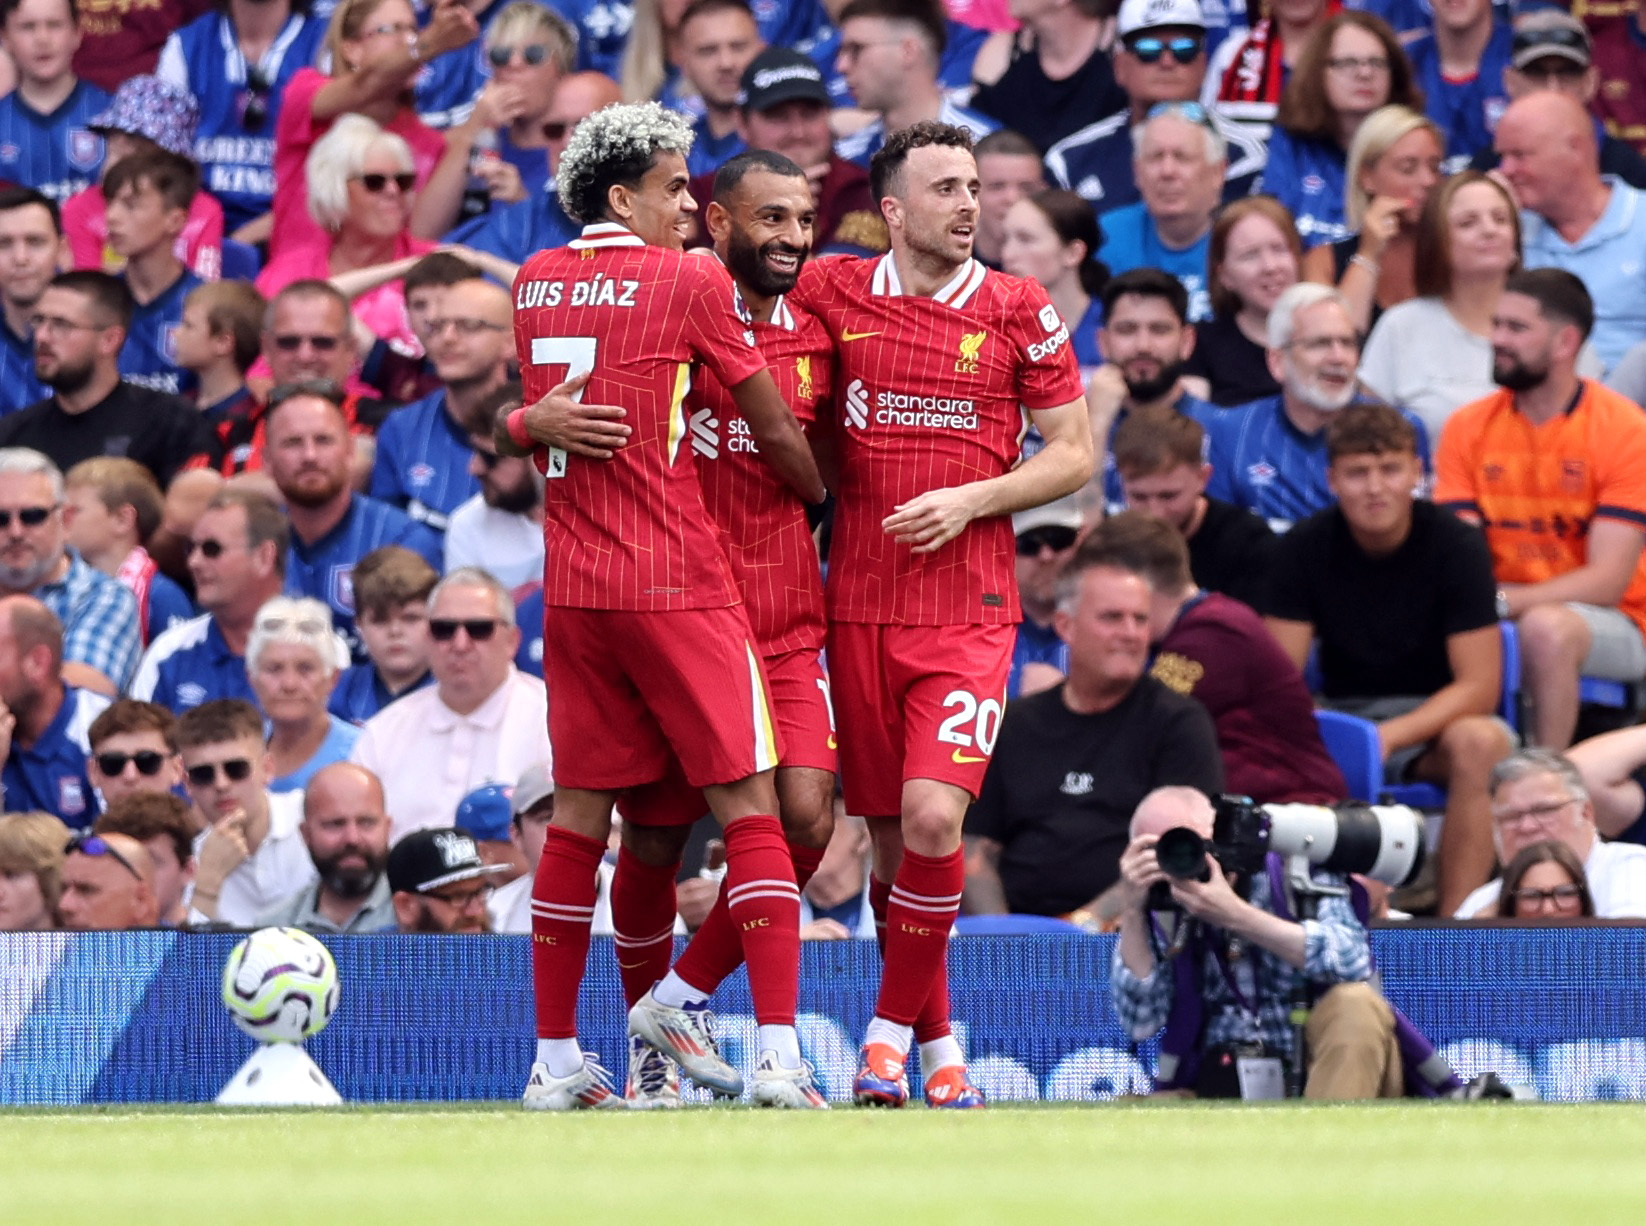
901,409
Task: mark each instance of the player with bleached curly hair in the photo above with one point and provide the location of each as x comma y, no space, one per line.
647,648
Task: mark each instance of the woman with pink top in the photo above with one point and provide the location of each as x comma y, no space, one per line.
376,50
361,183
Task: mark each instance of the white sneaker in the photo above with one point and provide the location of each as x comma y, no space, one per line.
686,1036
776,1086
654,1079
589,1087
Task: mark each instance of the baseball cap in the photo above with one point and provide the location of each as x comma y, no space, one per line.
1550,33
427,859
1060,514
159,110
779,74
485,813
536,785
1136,15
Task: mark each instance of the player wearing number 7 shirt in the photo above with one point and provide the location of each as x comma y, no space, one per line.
939,358
647,650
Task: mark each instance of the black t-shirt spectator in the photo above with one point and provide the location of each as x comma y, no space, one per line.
1233,552
159,431
1236,366
1382,623
1062,787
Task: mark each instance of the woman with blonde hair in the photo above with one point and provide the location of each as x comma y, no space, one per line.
1394,163
31,863
293,658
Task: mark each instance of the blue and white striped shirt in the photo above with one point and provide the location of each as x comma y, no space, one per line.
99,616
149,356
55,154
49,776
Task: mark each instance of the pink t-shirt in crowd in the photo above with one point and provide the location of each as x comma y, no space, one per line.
383,310
296,134
989,15
86,226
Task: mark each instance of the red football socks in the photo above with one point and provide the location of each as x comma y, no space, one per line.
764,906
921,909
563,895
716,950
933,1020
643,913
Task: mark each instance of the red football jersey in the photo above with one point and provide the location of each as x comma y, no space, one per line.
773,556
934,394
630,532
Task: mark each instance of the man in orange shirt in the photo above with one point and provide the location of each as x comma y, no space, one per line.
1553,468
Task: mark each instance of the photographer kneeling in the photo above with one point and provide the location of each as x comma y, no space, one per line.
1225,978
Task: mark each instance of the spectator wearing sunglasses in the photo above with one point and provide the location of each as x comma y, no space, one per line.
96,616
108,885
1160,58
1045,542
500,529
237,61
480,722
251,854
293,659
31,871
440,883
424,462
111,506
362,180
310,458
528,49
146,115
133,751
237,559
162,823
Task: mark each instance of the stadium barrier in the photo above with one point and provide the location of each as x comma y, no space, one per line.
137,1017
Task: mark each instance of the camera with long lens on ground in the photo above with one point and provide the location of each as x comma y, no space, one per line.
1383,842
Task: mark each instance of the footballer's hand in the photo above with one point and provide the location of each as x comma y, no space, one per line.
933,519
591,430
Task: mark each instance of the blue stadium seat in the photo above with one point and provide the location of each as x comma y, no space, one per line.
1352,742
1009,925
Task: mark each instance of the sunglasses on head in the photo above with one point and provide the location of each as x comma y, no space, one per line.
88,844
1055,537
1191,111
1184,48
237,770
533,53
148,762
320,344
29,517
303,625
444,630
254,107
375,183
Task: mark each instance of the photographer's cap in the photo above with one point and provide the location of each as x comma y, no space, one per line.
427,859
779,74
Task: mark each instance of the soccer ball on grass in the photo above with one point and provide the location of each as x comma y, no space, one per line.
280,985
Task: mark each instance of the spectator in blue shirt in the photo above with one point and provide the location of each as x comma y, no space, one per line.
237,559
1270,456
45,140
112,506
148,197
714,43
391,598
309,456
1458,63
31,248
529,49
43,734
1179,161
98,615
423,452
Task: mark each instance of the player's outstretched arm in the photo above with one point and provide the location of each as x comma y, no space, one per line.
562,420
933,519
782,443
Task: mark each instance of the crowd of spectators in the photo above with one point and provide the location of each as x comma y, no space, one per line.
270,600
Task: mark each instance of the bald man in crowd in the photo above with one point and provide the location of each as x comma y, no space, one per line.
108,883
1575,218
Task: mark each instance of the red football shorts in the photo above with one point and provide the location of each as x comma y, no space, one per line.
915,702
805,723
628,692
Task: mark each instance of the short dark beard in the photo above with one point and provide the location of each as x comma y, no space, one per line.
352,884
1144,391
69,379
515,499
1518,377
298,497
748,265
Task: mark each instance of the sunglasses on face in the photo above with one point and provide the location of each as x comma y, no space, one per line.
320,344
444,630
29,517
533,53
375,183
1185,48
555,131
1052,537
147,760
96,845
236,770
208,548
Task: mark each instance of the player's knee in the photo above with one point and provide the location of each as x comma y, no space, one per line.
656,846
808,826
931,830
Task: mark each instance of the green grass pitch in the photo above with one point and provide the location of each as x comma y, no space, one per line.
1393,1164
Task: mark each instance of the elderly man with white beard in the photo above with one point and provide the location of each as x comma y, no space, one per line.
1270,456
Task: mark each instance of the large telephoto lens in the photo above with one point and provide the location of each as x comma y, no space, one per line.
1383,842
